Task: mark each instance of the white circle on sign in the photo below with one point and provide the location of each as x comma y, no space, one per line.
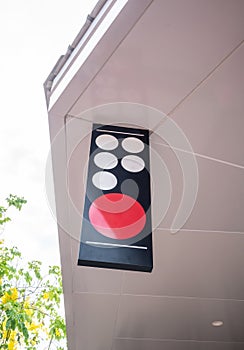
107,142
132,145
105,160
104,180
132,163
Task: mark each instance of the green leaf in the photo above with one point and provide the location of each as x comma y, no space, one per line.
16,201
9,324
13,324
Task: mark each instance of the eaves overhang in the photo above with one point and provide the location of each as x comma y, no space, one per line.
106,27
64,59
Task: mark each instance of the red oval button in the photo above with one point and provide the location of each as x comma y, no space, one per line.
117,216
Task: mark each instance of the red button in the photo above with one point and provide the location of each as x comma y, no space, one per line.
117,216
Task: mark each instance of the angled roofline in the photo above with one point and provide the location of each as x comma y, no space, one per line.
64,58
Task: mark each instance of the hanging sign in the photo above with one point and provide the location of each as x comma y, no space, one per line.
116,226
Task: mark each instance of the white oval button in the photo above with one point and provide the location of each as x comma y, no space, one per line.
132,163
105,160
132,145
104,180
107,142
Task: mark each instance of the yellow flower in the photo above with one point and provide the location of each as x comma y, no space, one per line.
11,295
27,302
12,345
29,312
27,307
10,336
46,295
33,326
58,334
12,342
5,334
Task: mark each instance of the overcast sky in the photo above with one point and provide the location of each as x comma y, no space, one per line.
34,34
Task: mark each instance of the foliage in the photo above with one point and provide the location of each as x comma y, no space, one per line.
29,300
14,201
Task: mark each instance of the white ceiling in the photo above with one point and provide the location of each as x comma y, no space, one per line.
184,58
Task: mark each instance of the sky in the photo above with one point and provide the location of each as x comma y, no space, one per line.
34,34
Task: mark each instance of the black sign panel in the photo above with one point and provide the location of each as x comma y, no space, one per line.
116,226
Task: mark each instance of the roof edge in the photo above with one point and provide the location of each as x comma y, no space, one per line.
64,58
